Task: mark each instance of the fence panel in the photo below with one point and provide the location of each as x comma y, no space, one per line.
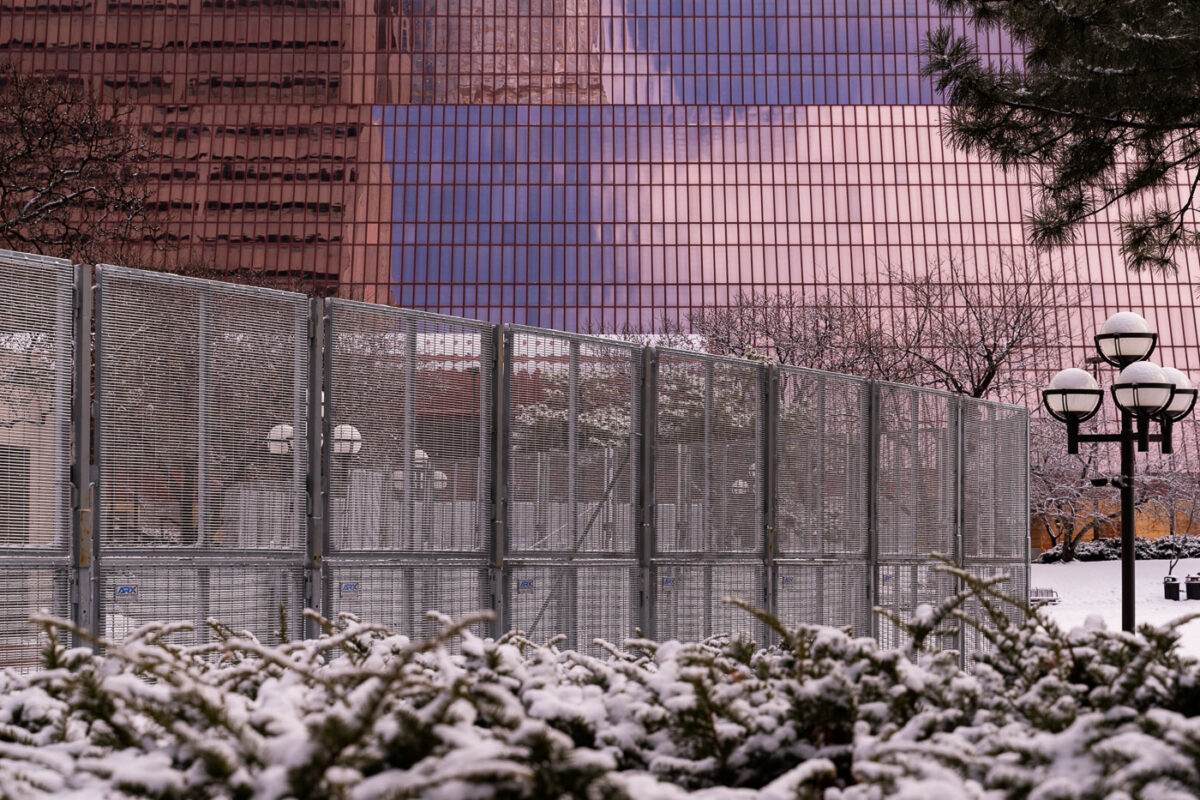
36,352
1016,587
573,475
201,440
916,496
582,600
823,470
995,473
409,403
708,472
901,587
574,424
400,595
264,598
689,599
824,593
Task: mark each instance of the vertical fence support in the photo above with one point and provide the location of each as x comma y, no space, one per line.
1027,503
97,485
499,455
958,409
770,486
572,437
708,525
316,487
409,534
202,423
84,587
646,500
874,427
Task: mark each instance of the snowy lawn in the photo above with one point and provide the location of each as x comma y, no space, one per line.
1094,587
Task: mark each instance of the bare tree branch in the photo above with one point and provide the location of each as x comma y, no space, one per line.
74,176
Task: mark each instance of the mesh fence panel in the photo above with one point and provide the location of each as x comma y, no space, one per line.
25,590
573,473
995,482
917,491
244,597
823,594
900,588
708,472
399,595
36,350
580,601
1016,587
823,470
690,600
418,390
202,393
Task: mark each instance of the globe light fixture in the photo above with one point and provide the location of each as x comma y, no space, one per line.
280,440
1184,398
1125,338
1073,395
1142,389
1143,392
346,440
423,478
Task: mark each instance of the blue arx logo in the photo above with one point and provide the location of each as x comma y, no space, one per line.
524,586
349,587
668,583
126,592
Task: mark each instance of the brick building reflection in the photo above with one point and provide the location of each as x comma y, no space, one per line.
267,112
263,113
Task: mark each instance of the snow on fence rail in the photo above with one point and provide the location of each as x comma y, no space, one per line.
575,485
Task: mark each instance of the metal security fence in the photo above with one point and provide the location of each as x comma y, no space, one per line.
917,499
36,349
570,511
201,409
821,494
254,452
409,404
708,469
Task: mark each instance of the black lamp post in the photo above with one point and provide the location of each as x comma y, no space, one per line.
1143,392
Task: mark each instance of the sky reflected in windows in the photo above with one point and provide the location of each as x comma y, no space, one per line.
711,148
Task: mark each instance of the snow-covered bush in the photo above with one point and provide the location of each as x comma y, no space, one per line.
1166,547
1046,714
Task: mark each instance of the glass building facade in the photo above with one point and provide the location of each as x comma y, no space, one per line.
577,164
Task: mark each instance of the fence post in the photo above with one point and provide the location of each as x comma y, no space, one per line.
97,485
409,535
958,407
84,587
317,521
770,486
1027,504
646,503
873,433
499,456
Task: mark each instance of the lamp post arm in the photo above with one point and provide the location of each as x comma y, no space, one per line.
1098,437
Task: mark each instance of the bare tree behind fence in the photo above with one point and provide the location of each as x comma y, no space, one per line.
250,452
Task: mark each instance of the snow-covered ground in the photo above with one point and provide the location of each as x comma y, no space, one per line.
1094,587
